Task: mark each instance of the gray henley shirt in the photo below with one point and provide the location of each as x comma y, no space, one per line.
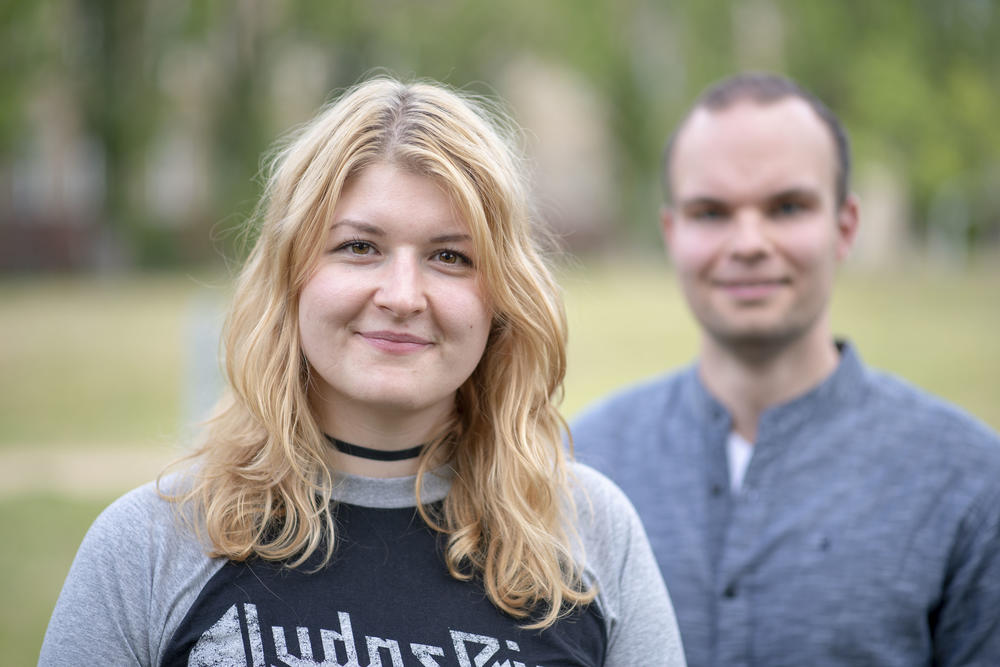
866,532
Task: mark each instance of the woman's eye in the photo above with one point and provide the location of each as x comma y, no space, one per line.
452,258
357,247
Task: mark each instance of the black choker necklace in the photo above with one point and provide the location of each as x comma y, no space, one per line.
375,454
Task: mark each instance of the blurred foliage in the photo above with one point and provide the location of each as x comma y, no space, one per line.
916,83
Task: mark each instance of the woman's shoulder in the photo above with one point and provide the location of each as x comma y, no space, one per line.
138,570
147,510
618,561
606,523
143,530
143,501
594,488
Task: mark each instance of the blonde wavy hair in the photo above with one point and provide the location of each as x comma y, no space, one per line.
261,485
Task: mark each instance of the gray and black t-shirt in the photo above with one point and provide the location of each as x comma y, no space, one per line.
142,591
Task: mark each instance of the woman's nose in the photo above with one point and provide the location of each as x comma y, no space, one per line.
401,288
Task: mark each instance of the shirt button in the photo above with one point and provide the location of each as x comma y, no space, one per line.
716,490
731,591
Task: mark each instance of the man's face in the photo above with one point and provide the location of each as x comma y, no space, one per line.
754,229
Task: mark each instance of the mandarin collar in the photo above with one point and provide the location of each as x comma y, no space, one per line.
845,385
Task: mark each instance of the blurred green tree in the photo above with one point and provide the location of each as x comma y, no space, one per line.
915,82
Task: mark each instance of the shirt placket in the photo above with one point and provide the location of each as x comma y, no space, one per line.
734,583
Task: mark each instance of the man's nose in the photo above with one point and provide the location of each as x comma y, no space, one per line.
750,236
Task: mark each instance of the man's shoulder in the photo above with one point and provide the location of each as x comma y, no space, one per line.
627,425
645,398
922,417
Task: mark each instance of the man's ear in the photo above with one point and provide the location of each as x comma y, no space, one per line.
667,225
848,218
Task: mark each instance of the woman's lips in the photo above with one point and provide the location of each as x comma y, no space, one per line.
395,342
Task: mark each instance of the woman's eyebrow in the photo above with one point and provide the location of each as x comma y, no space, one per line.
364,227
451,238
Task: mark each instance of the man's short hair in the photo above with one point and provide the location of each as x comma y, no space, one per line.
766,88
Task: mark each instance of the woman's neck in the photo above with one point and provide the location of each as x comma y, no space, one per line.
380,430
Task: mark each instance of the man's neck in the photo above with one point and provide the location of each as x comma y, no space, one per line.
750,382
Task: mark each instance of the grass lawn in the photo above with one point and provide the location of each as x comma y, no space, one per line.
94,369
934,327
42,533
91,361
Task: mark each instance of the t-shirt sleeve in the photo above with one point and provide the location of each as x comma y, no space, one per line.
640,621
101,611
133,578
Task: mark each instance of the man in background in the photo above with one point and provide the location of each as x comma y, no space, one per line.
804,509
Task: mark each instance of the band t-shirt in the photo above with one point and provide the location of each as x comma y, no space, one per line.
143,591
385,599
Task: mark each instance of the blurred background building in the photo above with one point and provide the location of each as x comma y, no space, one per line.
131,133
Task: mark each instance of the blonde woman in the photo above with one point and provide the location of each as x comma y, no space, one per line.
384,482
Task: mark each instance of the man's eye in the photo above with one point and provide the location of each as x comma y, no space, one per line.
707,214
787,208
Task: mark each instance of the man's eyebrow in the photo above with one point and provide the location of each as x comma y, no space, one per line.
795,193
363,227
701,201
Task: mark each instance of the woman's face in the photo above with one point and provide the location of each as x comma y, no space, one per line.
393,319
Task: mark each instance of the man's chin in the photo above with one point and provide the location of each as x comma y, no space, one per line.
755,341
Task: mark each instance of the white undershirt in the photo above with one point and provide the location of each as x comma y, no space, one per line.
739,452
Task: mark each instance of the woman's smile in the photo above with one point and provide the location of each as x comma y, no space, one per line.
395,343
